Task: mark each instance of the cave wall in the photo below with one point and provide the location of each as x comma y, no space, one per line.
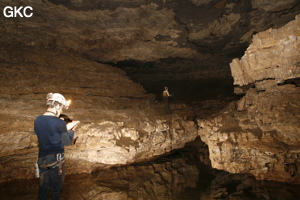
120,123
162,178
62,48
273,55
202,37
259,134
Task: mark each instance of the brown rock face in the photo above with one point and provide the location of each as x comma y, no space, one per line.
274,54
66,47
119,123
111,31
163,178
262,138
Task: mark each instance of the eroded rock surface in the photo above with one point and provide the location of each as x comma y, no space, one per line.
144,30
164,178
260,133
274,54
120,123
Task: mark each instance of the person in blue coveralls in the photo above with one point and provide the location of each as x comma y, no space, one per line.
52,135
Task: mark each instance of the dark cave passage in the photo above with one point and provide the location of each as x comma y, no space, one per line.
186,91
187,81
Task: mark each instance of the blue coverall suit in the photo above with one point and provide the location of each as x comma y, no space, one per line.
53,136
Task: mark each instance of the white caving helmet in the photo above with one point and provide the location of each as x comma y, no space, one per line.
52,97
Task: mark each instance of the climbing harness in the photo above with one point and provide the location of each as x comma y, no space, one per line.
58,163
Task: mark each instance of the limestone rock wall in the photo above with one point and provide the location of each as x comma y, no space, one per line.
143,30
104,34
120,123
161,179
273,54
268,5
262,139
260,133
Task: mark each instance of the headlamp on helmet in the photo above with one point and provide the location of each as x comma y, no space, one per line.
56,97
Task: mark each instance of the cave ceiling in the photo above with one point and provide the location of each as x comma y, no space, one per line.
145,30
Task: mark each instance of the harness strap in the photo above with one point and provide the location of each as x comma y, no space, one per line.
49,166
59,161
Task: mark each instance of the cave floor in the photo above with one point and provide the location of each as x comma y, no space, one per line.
209,185
222,186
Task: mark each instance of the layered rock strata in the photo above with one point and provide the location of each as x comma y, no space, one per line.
273,54
162,179
260,133
120,123
143,30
